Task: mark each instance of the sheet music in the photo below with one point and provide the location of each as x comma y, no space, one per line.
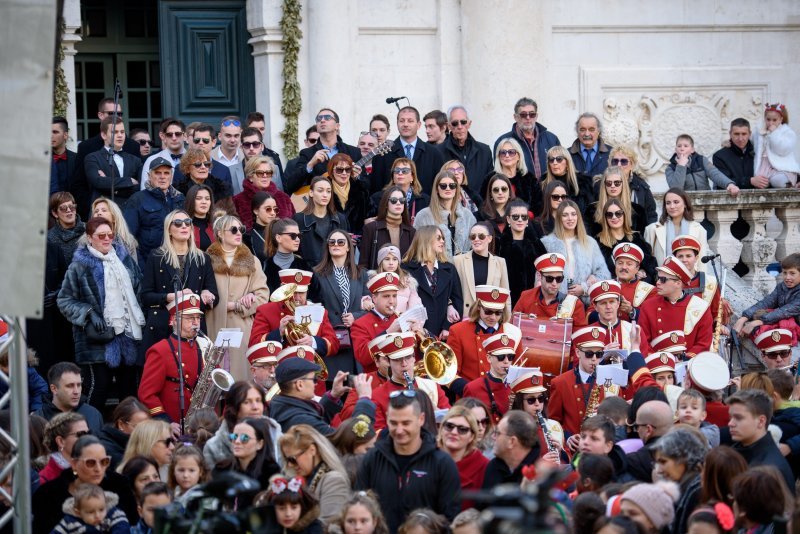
309,314
515,372
680,372
231,337
614,354
417,314
612,373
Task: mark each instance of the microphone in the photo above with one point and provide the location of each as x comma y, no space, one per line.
706,259
391,100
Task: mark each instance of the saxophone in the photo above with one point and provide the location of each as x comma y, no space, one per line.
212,381
548,439
409,380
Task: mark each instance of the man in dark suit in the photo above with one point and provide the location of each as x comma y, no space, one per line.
313,161
427,158
79,187
110,168
63,164
589,152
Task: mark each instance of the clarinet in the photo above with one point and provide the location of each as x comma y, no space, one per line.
548,439
409,380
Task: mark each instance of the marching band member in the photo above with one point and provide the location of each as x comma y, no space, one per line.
467,338
673,310
307,353
159,389
606,297
546,301
379,377
530,395
687,249
382,319
501,350
263,358
776,348
400,349
673,342
271,318
662,367
627,260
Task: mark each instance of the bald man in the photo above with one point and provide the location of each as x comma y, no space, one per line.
653,420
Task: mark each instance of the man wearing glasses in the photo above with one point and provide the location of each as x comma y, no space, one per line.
776,348
172,134
673,310
606,297
534,138
253,147
546,301
653,419
313,161
589,152
474,155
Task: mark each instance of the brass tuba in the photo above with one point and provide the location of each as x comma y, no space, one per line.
213,381
438,361
294,331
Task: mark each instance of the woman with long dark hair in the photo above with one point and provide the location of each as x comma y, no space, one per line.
318,220
265,210
677,218
499,194
615,228
350,195
283,243
391,225
554,194
519,246
480,266
199,201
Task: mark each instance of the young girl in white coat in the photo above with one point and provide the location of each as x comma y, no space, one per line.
774,148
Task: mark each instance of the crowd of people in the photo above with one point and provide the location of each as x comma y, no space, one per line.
394,303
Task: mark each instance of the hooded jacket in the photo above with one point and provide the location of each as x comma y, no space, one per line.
115,522
94,419
430,480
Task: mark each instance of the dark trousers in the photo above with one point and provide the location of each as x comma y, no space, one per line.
99,380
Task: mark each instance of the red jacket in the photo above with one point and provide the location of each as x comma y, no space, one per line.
636,292
159,388
690,314
243,199
365,329
698,287
466,340
268,319
500,392
380,397
530,301
471,469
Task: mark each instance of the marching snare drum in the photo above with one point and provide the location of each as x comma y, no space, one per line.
546,344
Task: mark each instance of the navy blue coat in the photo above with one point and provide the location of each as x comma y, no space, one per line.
547,140
448,291
145,213
428,160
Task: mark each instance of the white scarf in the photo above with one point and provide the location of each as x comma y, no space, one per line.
121,309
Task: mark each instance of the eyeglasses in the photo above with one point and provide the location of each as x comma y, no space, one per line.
462,122
231,122
480,237
541,399
439,237
66,208
551,279
456,170
503,357
462,430
615,214
450,185
558,198
236,230
292,460
144,142
613,183
527,114
519,217
508,152
180,223
637,426
202,140
312,140
270,209
598,354
396,200
263,174
251,144
342,170
373,134
556,159
173,134
294,236
402,170
206,164
484,421
620,161
168,442
503,189
104,236
410,393
93,463
783,354
325,117
337,242
243,438
80,433
487,311
119,113
664,279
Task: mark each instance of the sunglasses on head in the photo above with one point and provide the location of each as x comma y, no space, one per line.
614,214
231,122
144,142
613,183
243,438
664,279
450,427
251,144
292,235
337,242
92,463
456,124
541,399
342,170
449,185
504,357
519,217
558,198
180,223
620,161
527,114
508,152
591,354
503,189
202,140
373,134
396,200
550,279
198,164
236,230
556,159
473,237
402,170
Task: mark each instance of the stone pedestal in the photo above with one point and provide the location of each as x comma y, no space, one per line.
789,238
723,241
758,249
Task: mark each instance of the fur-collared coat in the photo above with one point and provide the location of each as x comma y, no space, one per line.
242,277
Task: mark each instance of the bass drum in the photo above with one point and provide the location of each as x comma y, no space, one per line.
546,344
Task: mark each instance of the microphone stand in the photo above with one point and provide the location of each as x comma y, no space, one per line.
176,282
111,164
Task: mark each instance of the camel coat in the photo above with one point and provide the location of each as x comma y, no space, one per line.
497,276
243,276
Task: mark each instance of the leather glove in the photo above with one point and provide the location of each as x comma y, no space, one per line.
97,321
50,299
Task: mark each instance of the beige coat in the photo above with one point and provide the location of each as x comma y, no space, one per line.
243,276
497,276
656,236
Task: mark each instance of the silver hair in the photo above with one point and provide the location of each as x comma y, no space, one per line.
682,446
589,115
452,108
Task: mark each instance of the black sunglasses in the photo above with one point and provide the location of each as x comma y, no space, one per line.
168,441
462,430
198,164
251,144
539,398
620,161
396,200
292,235
519,217
556,159
504,357
237,229
144,142
593,354
550,279
558,198
444,187
180,223
203,140
614,214
462,122
783,354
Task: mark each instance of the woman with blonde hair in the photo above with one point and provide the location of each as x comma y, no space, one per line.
458,437
509,161
560,168
258,177
585,262
448,214
469,198
615,228
404,176
613,184
626,159
309,454
178,258
241,280
152,438
109,210
438,284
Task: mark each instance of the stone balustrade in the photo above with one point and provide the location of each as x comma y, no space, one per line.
758,249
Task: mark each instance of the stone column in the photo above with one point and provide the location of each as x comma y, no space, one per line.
758,249
723,241
789,238
71,37
263,23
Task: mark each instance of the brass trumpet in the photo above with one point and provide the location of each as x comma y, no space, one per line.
438,361
294,331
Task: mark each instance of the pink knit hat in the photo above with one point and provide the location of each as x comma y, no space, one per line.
657,501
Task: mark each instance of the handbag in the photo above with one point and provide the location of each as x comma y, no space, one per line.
95,336
343,335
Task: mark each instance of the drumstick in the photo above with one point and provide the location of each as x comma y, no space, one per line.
517,363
